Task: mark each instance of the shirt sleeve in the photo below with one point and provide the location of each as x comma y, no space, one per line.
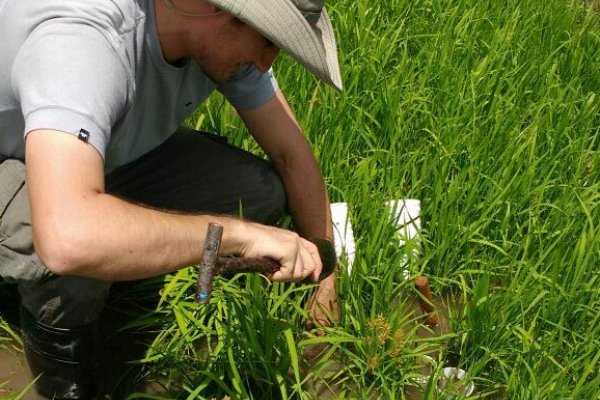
249,88
68,77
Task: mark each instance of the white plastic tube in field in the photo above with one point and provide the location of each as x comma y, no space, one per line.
343,235
406,217
456,378
452,378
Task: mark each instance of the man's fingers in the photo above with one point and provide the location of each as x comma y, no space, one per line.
311,261
299,258
299,269
288,271
318,263
301,265
306,263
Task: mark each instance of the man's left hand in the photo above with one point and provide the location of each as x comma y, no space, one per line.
323,307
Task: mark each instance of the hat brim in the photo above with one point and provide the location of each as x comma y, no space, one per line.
283,24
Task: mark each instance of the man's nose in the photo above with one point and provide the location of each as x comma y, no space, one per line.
266,59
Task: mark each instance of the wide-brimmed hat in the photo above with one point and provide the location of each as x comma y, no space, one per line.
301,28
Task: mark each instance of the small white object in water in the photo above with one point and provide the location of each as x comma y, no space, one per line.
454,377
343,236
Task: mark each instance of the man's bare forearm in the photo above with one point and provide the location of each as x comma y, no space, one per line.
308,201
109,238
309,205
80,230
275,128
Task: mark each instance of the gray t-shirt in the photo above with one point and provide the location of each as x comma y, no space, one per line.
95,69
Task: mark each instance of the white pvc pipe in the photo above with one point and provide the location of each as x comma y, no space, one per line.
343,236
457,375
448,373
406,217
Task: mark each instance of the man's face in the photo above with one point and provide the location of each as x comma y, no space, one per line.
235,45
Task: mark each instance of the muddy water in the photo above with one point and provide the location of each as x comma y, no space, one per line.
14,371
118,377
118,348
444,307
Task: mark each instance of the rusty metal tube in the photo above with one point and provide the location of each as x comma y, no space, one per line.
426,300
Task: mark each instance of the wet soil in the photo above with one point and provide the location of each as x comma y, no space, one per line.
14,372
119,349
329,385
444,307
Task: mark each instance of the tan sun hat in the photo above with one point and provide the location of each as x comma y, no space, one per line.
301,28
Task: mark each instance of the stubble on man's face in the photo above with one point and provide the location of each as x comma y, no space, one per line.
234,46
217,73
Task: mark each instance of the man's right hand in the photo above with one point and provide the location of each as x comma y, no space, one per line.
298,257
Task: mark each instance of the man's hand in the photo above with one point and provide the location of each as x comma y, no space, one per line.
323,306
299,258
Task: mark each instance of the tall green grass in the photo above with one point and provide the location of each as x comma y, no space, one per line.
488,113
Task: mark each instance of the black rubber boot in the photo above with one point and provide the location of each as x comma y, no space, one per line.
62,358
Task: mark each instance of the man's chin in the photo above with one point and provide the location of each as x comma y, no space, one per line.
220,75
217,77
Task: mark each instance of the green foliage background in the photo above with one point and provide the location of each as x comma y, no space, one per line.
488,113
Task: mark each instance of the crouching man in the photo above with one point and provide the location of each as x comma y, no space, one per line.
100,183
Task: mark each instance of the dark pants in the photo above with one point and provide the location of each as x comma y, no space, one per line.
190,172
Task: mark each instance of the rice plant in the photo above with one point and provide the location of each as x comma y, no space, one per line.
488,112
